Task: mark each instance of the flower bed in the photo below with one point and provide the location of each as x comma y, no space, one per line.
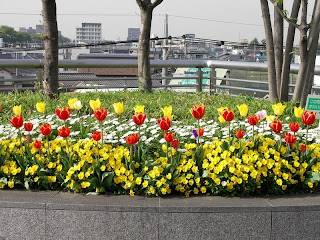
65,151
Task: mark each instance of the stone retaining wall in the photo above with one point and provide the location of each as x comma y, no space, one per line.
58,215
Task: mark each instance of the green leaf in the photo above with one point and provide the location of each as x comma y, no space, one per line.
108,179
205,174
295,51
94,182
313,177
3,180
26,185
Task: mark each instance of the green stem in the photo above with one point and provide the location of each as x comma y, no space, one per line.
48,148
80,121
20,138
101,127
198,140
67,146
171,154
167,150
131,153
307,136
139,145
253,133
280,141
229,133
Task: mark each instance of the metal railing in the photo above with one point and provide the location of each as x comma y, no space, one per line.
212,86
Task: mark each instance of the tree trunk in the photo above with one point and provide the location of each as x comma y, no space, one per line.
278,45
273,95
303,50
313,40
144,74
284,89
50,77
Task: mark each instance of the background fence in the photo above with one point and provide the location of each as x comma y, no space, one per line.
211,82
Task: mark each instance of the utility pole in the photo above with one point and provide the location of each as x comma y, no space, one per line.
165,50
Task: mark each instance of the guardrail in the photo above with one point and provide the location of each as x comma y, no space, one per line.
158,81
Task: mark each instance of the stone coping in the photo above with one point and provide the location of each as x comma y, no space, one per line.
54,200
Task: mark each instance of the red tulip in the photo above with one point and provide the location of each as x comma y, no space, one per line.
132,139
276,126
96,136
228,115
294,127
28,127
290,138
45,129
198,111
253,120
16,121
168,136
0,108
308,117
303,148
200,132
138,118
239,133
100,114
37,144
64,132
175,143
63,113
164,123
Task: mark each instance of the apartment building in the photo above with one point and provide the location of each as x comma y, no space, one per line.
89,33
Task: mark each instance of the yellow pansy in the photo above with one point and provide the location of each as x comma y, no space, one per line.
72,101
11,184
298,111
40,106
139,108
95,104
243,109
77,105
118,107
17,110
167,112
270,118
278,108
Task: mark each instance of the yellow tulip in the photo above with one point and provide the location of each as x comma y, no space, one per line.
40,106
167,112
298,112
77,105
243,109
95,104
17,110
72,101
270,118
221,119
220,110
118,107
278,108
139,108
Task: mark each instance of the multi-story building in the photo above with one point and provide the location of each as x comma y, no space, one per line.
39,29
89,33
133,34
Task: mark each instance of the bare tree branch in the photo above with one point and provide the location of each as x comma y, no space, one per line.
156,3
141,3
292,22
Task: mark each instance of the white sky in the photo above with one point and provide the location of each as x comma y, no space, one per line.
115,27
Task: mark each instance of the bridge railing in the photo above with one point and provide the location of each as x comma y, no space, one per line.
211,83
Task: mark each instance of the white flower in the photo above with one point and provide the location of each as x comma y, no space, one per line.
223,183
